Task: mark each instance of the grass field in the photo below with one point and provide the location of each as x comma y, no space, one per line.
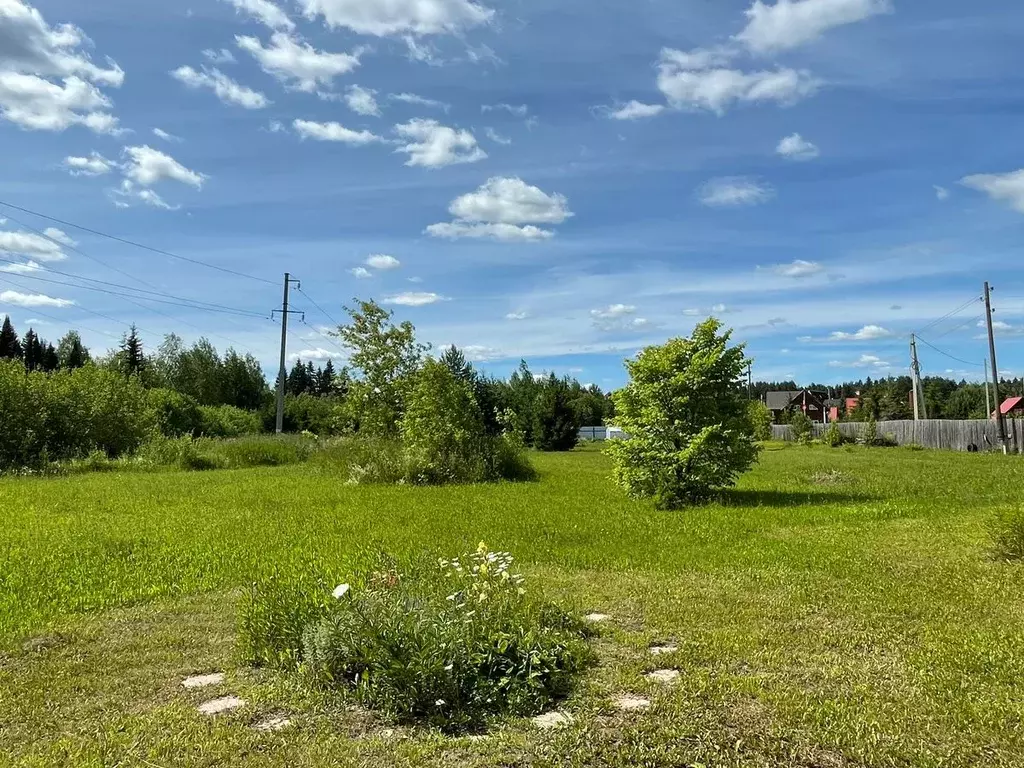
839,608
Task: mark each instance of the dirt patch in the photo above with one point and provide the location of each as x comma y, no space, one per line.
203,681
270,724
630,703
552,720
218,706
597,618
665,676
831,477
662,648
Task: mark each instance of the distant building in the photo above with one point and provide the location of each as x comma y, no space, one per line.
804,400
1012,407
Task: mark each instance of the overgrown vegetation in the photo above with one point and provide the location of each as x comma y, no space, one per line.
450,644
690,433
1006,530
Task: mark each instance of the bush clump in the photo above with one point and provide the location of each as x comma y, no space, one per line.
761,420
1007,534
834,437
450,644
228,421
802,428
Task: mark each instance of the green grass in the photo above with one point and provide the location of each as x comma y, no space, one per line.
839,608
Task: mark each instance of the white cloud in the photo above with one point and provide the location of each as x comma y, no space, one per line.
432,145
21,269
634,110
867,333
32,300
504,209
693,312
60,236
864,361
333,132
219,56
941,192
361,101
722,309
517,316
796,147
362,273
1005,187
37,104
382,262
265,12
297,64
31,52
276,126
476,353
391,17
455,230
700,80
731,191
516,110
93,165
496,137
413,299
227,90
129,191
791,23
32,245
161,134
317,354
147,166
412,98
798,269
618,317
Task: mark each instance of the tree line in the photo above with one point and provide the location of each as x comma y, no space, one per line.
889,399
196,390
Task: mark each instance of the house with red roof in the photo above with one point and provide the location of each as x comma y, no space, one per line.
1012,407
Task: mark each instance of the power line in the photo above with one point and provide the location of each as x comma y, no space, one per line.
323,311
948,315
74,249
223,310
951,357
962,325
325,337
134,244
62,320
198,304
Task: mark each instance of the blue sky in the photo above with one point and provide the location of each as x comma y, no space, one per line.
562,182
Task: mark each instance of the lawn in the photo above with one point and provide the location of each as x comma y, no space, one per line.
839,608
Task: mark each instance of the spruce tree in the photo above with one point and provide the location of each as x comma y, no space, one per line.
51,362
71,352
325,380
10,345
455,361
134,356
33,355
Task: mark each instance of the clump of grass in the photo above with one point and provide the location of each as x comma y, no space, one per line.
1006,530
831,477
449,644
265,450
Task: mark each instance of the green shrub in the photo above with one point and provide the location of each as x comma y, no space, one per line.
556,425
873,439
228,421
319,415
834,437
1007,533
23,429
264,451
689,431
450,646
802,427
442,430
761,420
363,460
176,414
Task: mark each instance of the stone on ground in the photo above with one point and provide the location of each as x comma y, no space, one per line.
662,649
630,703
597,618
552,720
663,675
223,704
203,681
273,724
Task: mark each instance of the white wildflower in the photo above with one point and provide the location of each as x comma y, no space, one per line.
340,591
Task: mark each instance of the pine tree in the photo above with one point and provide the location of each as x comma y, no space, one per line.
33,355
298,379
134,356
455,361
71,352
312,375
10,346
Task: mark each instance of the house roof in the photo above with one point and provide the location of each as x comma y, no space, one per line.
780,401
1010,404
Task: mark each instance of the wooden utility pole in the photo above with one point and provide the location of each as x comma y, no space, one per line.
988,395
1000,421
282,375
915,369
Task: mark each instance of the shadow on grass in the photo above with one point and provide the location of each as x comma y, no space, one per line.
752,498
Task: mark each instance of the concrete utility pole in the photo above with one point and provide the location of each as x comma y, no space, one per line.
915,369
282,376
1000,421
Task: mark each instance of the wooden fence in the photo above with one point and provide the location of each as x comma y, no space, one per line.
932,433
